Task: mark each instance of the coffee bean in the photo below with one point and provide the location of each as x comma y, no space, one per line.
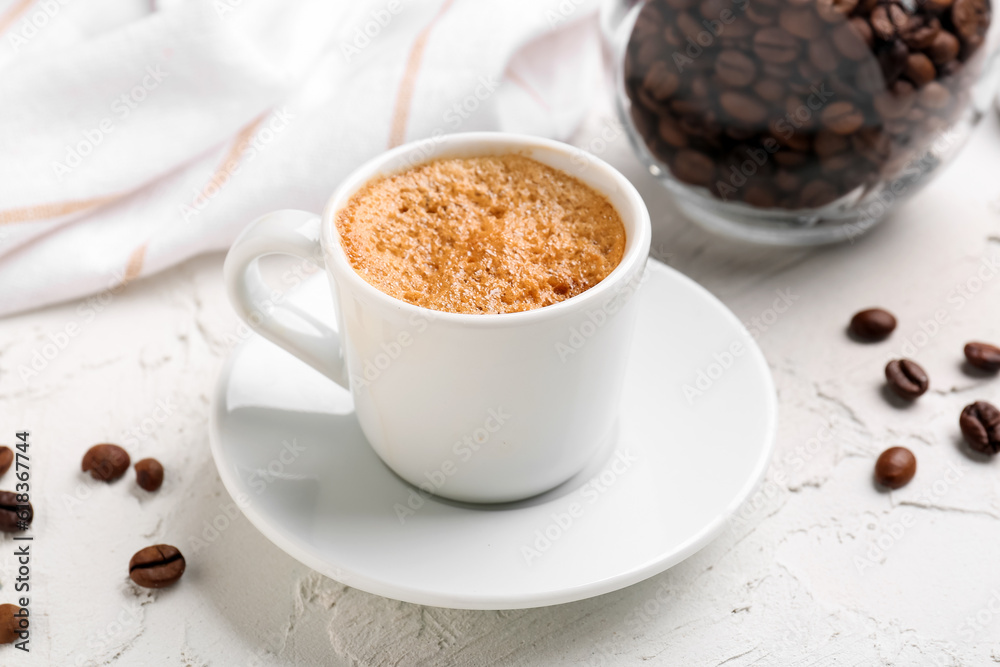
760,15
892,60
944,48
774,45
937,6
693,167
980,424
906,378
156,566
934,96
873,324
895,467
661,81
816,194
6,458
971,19
882,24
14,512
842,117
852,39
10,623
769,89
823,56
671,132
834,11
919,32
735,68
983,355
149,474
105,462
829,143
897,103
759,196
744,108
801,22
919,69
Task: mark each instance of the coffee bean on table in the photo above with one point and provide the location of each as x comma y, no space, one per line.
157,566
983,355
774,45
10,624
842,117
873,324
980,424
906,378
6,458
895,467
149,474
10,508
105,462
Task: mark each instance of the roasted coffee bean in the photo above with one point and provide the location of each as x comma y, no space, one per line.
693,167
105,462
983,355
937,6
972,20
769,90
774,45
934,96
661,81
853,39
156,566
919,69
735,68
980,424
895,103
760,15
149,474
835,11
872,324
6,458
892,60
759,196
895,467
829,143
882,24
920,32
787,181
801,22
823,56
906,378
671,132
944,48
744,108
818,193
12,622
14,514
842,117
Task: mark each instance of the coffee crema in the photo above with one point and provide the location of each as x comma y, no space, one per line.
492,234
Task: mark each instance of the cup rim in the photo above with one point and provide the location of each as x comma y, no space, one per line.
342,270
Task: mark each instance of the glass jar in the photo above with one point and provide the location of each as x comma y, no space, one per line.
798,122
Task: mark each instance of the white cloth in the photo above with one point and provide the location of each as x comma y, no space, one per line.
134,135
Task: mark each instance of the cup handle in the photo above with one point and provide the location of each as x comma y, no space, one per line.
294,233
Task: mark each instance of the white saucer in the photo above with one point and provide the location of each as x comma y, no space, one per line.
291,453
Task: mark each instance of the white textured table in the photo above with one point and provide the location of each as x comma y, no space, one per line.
820,569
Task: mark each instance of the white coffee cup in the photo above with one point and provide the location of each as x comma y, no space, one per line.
476,408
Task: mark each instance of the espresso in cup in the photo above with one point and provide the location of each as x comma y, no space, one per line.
490,234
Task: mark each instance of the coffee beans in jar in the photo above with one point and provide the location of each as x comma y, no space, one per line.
794,104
